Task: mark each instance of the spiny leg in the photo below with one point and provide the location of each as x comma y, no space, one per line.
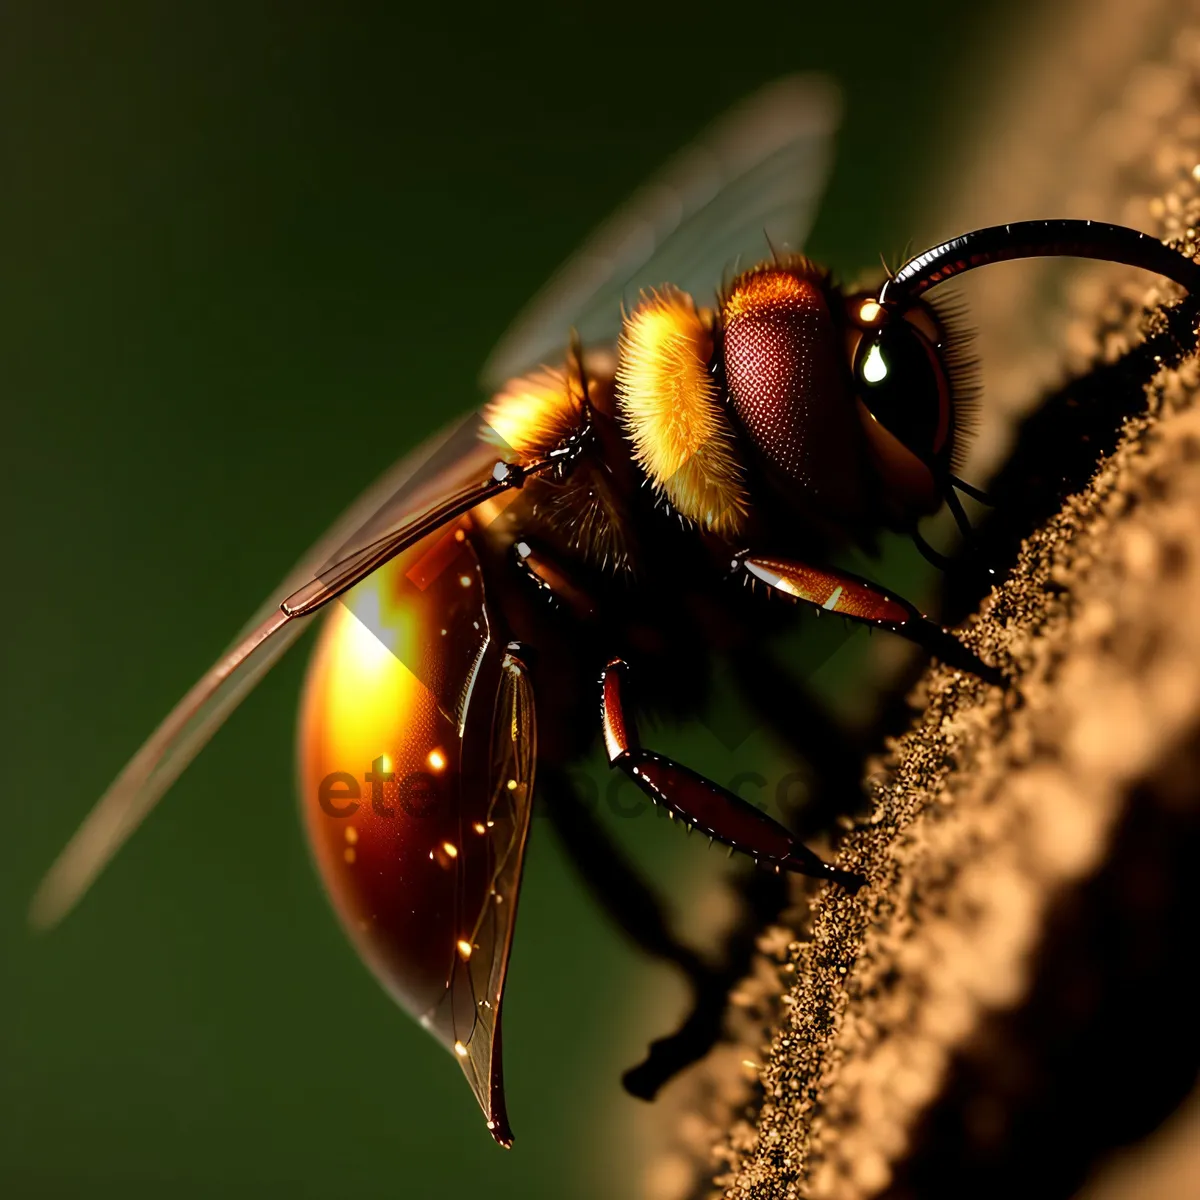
700,802
634,906
612,879
859,600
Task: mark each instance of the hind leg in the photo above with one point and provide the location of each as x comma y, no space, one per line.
721,814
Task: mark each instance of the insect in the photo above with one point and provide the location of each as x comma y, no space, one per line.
591,528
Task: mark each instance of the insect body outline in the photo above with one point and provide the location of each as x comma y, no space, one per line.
592,530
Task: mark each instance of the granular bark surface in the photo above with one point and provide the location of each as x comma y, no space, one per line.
1005,1003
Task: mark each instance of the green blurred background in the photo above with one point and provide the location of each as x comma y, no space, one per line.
251,253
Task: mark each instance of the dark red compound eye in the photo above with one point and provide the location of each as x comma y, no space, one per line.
786,380
902,382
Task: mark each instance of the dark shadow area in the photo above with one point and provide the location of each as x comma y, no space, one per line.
1106,1045
633,905
1057,450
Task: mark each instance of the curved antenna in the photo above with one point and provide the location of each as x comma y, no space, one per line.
1040,239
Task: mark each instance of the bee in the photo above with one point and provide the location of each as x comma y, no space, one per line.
501,591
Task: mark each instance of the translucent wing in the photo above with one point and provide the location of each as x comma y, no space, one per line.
455,464
412,684
477,985
750,182
757,171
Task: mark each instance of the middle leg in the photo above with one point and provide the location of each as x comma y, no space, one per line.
700,802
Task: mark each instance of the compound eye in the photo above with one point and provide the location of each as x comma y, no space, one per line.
900,378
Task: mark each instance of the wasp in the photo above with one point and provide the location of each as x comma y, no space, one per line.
500,589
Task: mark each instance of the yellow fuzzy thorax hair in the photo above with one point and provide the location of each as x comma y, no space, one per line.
535,413
681,435
532,416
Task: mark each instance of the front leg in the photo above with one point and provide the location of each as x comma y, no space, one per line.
700,802
857,599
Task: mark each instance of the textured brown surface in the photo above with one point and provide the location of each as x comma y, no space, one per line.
986,815
1002,1008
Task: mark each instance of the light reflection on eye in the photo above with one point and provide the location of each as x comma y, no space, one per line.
874,368
869,312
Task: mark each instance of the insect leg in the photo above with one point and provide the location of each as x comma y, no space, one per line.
341,576
700,802
854,598
971,490
935,558
546,573
969,554
614,882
